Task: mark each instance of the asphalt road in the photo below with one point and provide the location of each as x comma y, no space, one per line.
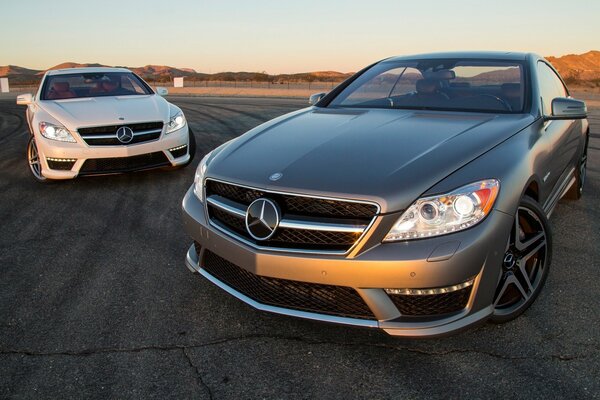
95,300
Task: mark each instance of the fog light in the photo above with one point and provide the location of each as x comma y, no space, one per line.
178,147
178,151
62,164
61,159
424,292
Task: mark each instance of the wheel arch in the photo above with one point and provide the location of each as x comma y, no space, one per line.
532,189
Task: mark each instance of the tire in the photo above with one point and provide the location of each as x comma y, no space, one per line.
191,147
576,191
33,160
526,263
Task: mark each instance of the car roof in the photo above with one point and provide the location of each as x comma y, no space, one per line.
86,70
487,55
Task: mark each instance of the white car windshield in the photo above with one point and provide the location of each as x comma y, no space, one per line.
93,84
453,85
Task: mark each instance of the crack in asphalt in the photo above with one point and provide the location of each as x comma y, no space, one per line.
185,348
198,374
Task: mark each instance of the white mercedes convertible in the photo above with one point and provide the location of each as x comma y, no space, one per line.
94,121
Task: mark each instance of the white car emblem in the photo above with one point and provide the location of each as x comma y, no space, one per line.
276,176
124,134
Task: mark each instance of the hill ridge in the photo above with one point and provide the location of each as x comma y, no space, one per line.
574,68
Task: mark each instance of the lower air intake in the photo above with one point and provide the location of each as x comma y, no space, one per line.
340,301
124,164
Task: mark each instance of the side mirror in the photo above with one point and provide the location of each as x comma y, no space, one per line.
161,91
315,98
24,99
566,108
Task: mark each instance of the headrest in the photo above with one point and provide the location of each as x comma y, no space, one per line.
61,86
427,86
444,74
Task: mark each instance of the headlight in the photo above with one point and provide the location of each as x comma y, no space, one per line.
176,122
56,132
199,177
452,212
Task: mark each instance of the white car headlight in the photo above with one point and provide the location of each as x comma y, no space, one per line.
56,132
176,122
199,177
452,212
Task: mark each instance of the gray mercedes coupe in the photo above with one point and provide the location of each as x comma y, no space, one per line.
414,197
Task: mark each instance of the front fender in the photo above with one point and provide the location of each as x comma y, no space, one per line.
513,163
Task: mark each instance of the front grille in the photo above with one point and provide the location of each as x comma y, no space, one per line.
298,205
107,135
432,304
288,238
60,165
295,207
123,164
311,297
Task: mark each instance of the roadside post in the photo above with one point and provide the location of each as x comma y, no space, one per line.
4,85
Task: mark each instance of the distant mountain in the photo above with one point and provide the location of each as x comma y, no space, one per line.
575,68
502,75
161,70
584,67
11,70
19,75
163,73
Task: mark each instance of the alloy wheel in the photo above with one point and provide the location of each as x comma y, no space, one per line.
33,157
524,267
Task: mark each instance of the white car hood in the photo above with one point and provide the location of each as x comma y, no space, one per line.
110,110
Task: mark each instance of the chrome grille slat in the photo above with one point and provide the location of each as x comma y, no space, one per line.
107,135
289,223
114,135
336,233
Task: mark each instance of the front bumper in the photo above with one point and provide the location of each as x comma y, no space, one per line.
81,152
431,263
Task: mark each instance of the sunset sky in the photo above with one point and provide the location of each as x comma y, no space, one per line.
284,36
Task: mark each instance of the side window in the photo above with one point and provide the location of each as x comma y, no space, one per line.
550,86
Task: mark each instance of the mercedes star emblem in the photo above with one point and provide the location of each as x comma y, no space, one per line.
124,134
276,176
262,219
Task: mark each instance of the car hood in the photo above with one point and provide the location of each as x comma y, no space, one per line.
387,156
110,110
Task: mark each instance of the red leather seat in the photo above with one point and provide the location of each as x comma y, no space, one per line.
61,90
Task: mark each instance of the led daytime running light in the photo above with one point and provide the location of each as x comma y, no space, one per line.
425,292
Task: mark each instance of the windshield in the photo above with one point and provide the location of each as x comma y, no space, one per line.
96,84
455,85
